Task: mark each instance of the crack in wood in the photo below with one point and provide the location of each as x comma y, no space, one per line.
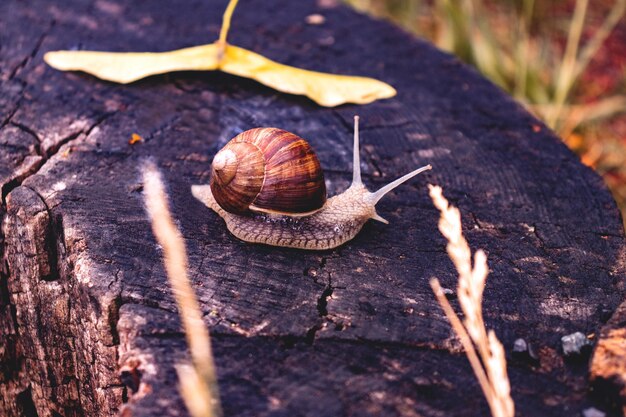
37,270
32,165
34,51
92,315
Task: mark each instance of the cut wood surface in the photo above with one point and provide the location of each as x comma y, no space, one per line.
88,326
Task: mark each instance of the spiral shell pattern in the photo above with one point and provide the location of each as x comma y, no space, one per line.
268,170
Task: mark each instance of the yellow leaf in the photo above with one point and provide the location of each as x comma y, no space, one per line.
126,67
325,89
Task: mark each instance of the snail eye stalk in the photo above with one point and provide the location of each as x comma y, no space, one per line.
377,195
356,158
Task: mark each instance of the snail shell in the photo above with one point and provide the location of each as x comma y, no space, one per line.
268,170
276,172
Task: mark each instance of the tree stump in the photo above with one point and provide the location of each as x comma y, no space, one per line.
89,326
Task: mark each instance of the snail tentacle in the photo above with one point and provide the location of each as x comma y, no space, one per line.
377,195
275,193
356,157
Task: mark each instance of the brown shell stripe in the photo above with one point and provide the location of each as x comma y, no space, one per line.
294,181
239,193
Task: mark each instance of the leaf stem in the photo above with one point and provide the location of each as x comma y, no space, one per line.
228,14
466,341
565,78
522,52
600,36
176,266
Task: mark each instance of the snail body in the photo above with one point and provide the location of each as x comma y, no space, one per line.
278,197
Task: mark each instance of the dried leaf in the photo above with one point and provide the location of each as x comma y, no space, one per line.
126,67
135,138
325,89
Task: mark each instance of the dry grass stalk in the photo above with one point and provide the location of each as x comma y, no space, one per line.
198,383
490,368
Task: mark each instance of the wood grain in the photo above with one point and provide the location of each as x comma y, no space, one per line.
88,324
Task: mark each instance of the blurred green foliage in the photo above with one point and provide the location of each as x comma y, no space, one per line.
539,52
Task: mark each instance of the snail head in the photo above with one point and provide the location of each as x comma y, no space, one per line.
366,198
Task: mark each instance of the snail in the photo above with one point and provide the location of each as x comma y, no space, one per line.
268,186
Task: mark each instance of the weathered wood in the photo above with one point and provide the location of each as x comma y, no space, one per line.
608,367
88,323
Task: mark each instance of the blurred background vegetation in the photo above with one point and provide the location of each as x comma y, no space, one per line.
565,60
